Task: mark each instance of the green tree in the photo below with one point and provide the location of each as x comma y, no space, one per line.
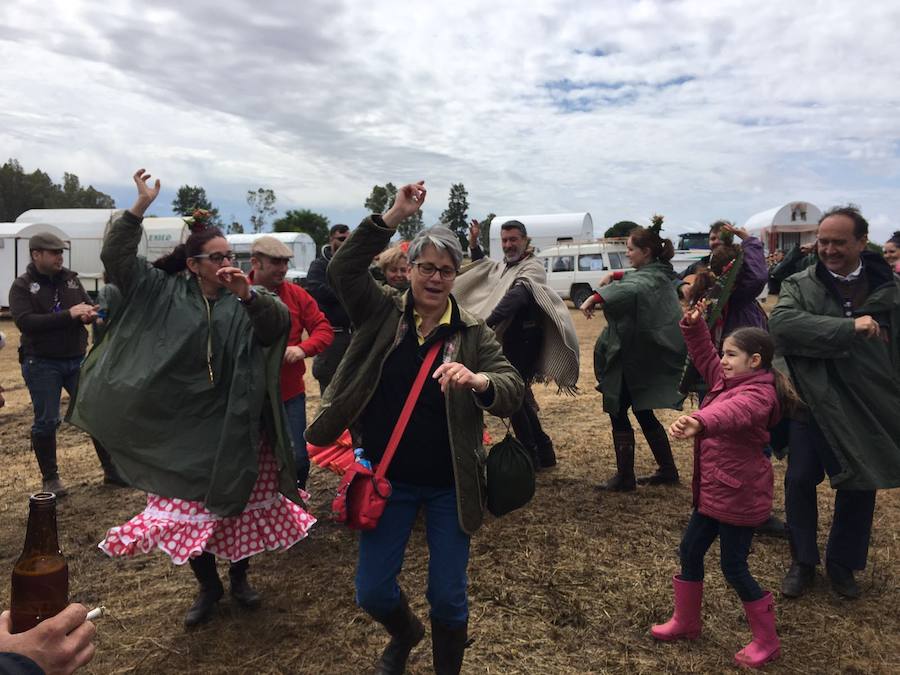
455,216
262,203
303,220
382,198
621,229
235,227
484,237
192,197
20,191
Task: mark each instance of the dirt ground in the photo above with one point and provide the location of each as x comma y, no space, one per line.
570,584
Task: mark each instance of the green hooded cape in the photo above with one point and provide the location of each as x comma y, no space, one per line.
177,422
642,345
850,383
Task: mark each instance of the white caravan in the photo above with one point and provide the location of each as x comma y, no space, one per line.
784,226
301,244
85,229
14,253
546,230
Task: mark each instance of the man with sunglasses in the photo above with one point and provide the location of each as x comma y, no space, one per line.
318,286
50,308
270,258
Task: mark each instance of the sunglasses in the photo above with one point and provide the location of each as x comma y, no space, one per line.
216,258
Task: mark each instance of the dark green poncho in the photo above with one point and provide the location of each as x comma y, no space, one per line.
180,390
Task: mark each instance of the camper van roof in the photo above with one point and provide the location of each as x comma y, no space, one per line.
781,216
552,224
66,215
286,237
23,230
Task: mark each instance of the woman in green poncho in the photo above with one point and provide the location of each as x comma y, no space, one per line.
639,356
184,391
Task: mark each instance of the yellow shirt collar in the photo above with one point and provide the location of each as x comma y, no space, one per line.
445,321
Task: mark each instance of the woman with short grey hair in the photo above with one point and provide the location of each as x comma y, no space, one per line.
442,238
439,462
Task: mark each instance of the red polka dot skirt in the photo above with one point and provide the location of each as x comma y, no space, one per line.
185,529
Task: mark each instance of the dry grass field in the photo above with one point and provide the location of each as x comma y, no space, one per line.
570,584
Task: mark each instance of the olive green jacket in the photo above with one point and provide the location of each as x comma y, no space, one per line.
377,313
179,390
642,345
850,383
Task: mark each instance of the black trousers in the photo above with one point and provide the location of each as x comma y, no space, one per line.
527,425
734,549
809,458
326,363
523,348
646,418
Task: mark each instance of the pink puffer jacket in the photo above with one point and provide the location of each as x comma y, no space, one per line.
733,478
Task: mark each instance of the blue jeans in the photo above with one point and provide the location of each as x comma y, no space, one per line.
46,378
296,415
381,554
734,547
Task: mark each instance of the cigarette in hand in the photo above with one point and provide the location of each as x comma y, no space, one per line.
96,613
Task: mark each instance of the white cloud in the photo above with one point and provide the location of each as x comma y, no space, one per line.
694,109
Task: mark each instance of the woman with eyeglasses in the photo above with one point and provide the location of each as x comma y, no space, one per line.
438,466
184,388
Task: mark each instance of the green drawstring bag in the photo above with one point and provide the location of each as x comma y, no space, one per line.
510,476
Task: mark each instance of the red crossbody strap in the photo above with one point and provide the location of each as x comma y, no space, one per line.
406,413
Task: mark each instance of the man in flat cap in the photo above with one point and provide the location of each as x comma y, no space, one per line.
50,308
270,258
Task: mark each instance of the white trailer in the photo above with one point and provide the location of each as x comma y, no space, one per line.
546,230
85,229
782,227
303,250
14,253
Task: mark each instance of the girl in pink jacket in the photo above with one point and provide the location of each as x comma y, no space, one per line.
733,481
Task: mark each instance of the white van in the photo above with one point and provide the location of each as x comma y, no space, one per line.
574,270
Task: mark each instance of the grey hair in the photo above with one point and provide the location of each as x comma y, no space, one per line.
442,238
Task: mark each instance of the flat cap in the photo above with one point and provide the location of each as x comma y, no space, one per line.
272,247
45,241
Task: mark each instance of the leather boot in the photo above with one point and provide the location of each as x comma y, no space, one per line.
406,632
241,590
623,479
765,645
666,473
211,590
687,620
110,473
44,448
546,453
447,647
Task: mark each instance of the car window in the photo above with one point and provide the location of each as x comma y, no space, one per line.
591,262
615,261
564,263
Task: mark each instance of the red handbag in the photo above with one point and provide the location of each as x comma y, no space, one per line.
362,494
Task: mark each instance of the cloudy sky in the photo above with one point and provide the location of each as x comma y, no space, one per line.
694,109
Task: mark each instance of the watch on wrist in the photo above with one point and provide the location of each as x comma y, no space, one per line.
250,299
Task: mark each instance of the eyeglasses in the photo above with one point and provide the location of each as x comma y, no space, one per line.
216,258
427,270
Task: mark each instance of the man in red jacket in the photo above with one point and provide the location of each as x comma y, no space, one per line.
270,258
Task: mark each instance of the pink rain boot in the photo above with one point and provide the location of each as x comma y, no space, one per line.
765,645
686,622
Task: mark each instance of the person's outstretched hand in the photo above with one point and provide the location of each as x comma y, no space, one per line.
409,200
686,427
146,193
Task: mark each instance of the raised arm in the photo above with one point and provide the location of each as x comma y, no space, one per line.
754,273
700,345
348,271
119,253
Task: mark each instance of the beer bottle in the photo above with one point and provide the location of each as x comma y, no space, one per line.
40,578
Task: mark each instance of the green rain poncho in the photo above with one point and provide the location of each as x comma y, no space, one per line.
642,345
180,390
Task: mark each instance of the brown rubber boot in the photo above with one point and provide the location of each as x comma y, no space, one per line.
666,473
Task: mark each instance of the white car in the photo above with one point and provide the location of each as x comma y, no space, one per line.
574,270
